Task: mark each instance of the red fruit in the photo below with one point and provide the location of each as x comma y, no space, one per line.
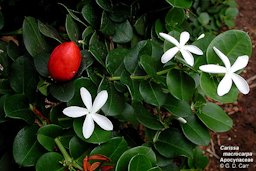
64,61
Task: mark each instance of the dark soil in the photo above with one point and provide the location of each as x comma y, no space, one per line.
243,113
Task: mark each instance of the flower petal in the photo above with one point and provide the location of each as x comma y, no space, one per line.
88,127
169,38
240,83
75,111
86,98
223,57
193,49
224,85
99,101
201,36
240,63
169,54
187,56
184,37
211,68
103,121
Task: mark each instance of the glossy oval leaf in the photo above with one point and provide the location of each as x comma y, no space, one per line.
49,31
33,40
113,149
77,147
209,86
123,161
50,161
90,14
232,43
179,108
171,143
20,110
146,118
195,131
180,84
114,61
139,163
180,3
152,93
23,77
63,92
72,29
107,26
98,49
46,135
99,135
31,150
123,32
215,118
174,18
41,64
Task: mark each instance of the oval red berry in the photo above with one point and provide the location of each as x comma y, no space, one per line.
64,61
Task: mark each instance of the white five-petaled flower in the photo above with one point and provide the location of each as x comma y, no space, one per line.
229,71
181,46
90,112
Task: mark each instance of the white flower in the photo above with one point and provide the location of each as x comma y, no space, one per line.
90,112
201,36
182,120
185,50
229,71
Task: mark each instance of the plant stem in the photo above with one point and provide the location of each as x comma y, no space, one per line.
68,160
139,77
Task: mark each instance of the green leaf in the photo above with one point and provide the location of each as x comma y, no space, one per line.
174,17
33,40
146,118
5,86
179,108
152,93
180,84
46,135
98,49
49,31
107,27
139,163
5,62
13,50
17,107
113,149
204,18
72,29
180,3
63,92
23,77
26,149
41,63
99,135
140,25
232,43
114,61
171,143
215,118
50,161
131,59
123,161
199,160
77,147
123,32
89,12
132,85
71,13
195,131
115,103
151,64
209,86
106,5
